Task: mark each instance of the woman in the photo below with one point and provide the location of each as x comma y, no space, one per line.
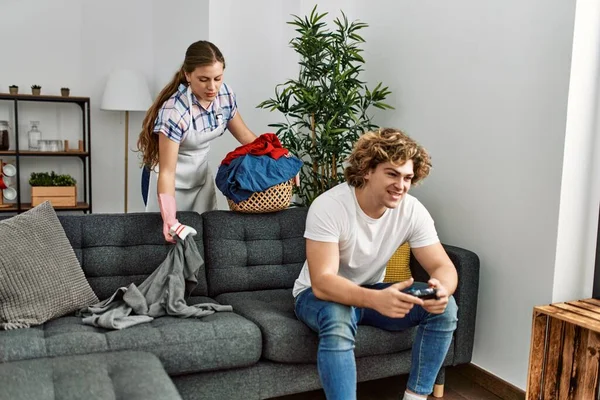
175,137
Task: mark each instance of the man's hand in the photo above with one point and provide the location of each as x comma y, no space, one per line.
437,306
392,302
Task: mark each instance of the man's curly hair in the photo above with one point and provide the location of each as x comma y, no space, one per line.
385,145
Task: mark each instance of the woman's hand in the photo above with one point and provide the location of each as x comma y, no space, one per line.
297,177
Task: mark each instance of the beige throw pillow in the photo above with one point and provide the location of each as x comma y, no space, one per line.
40,276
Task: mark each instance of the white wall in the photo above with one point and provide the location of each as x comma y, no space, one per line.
483,85
75,44
115,35
51,58
78,44
253,38
580,195
169,45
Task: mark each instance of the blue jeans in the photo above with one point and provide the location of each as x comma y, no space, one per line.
336,325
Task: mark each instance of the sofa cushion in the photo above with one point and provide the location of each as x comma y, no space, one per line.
123,375
40,277
288,340
221,340
253,251
118,249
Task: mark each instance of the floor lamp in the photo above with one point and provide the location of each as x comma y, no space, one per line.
126,90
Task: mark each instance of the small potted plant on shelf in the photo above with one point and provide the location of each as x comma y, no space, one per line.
36,90
13,89
65,91
60,190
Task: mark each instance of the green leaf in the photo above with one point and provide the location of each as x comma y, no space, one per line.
326,107
51,179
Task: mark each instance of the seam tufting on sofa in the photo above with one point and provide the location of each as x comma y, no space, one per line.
257,377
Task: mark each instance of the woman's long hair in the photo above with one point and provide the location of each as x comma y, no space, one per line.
198,54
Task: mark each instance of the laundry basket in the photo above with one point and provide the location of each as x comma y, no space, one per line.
275,198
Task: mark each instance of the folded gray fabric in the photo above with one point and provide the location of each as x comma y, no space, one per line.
162,293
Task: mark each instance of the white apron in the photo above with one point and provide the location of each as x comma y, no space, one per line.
195,188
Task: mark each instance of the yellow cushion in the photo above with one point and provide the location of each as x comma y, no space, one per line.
398,268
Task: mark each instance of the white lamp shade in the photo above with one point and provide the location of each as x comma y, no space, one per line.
126,90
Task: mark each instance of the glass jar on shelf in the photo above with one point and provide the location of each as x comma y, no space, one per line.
4,136
34,136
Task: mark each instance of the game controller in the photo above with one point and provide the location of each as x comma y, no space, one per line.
422,293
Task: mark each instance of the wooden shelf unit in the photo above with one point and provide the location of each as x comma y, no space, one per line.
18,153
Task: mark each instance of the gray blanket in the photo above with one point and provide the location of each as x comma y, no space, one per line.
162,293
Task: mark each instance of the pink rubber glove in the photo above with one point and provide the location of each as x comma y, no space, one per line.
171,226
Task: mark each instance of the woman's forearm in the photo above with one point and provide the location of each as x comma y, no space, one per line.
166,183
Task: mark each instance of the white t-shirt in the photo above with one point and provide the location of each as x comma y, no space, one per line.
366,244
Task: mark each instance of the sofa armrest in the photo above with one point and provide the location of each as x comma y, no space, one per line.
467,267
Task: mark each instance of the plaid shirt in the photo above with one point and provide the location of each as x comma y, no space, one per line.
174,116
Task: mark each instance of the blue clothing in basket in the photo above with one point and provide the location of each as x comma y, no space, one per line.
248,174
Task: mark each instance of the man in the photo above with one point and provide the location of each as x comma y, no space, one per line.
352,230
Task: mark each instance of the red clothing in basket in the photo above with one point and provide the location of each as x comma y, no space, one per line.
265,144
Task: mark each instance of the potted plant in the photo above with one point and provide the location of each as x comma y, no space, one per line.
13,89
36,90
65,91
60,190
326,107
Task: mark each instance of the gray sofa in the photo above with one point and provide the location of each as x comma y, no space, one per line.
251,261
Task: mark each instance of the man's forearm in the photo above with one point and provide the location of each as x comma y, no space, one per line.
340,290
447,277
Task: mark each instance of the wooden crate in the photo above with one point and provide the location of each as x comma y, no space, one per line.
59,196
564,357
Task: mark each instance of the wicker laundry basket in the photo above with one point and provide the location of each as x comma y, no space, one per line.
275,198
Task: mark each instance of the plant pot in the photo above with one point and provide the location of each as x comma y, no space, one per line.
59,196
65,92
13,90
36,92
